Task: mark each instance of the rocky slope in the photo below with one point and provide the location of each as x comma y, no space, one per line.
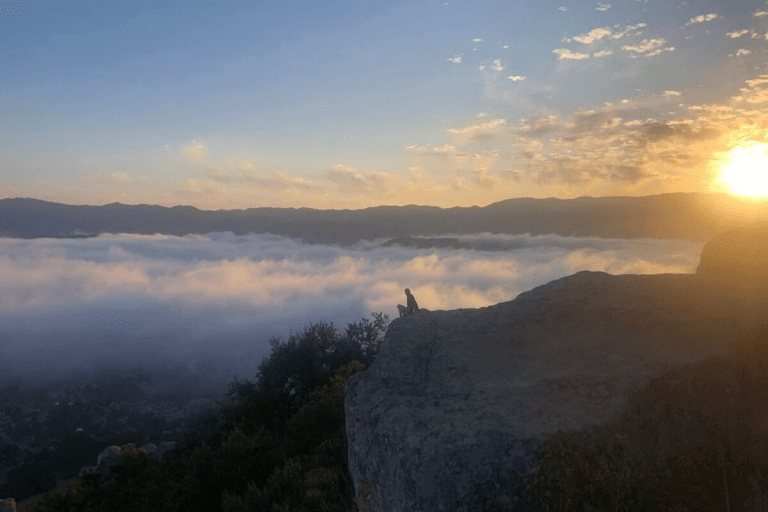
458,403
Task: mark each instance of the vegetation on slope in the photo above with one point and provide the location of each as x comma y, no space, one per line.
276,443
695,439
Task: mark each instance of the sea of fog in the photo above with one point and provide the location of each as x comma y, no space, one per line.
208,304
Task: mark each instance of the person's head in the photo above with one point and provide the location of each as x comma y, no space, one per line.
407,291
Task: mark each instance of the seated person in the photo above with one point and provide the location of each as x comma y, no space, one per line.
411,307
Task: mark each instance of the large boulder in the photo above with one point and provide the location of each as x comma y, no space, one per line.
454,412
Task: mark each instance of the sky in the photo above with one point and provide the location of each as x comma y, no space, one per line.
207,305
224,104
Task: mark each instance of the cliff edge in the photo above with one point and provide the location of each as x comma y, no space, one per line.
458,404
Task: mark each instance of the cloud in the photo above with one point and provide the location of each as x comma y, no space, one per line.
430,149
628,29
478,40
632,146
478,130
456,59
649,47
352,181
275,180
593,35
566,54
737,33
485,180
516,78
602,53
539,126
562,8
195,152
163,301
760,13
603,7
497,65
445,148
703,18
741,52
755,92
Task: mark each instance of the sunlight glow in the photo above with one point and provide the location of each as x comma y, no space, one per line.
745,170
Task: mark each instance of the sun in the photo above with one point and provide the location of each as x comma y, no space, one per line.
745,170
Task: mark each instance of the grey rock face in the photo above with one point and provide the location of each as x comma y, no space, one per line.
8,505
453,413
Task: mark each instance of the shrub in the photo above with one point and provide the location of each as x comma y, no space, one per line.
260,452
313,475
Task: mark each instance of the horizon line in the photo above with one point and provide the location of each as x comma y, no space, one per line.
410,205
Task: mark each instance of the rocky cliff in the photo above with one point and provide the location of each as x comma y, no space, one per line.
458,404
737,257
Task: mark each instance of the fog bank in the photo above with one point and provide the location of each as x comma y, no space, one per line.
209,304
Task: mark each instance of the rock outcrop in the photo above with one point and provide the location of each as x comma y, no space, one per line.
8,505
738,256
453,413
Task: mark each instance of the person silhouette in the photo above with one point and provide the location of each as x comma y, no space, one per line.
411,305
411,308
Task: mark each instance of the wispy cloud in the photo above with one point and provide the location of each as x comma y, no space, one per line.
603,7
456,59
566,54
593,35
479,129
737,33
516,78
276,180
629,29
649,47
429,149
703,18
760,13
195,152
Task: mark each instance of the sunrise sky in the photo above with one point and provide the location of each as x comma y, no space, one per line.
347,104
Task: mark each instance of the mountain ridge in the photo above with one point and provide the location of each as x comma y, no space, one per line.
692,216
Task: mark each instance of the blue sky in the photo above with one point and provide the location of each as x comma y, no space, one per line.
342,104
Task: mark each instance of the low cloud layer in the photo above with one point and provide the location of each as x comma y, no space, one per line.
209,304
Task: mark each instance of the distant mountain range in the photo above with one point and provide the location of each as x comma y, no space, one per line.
692,216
